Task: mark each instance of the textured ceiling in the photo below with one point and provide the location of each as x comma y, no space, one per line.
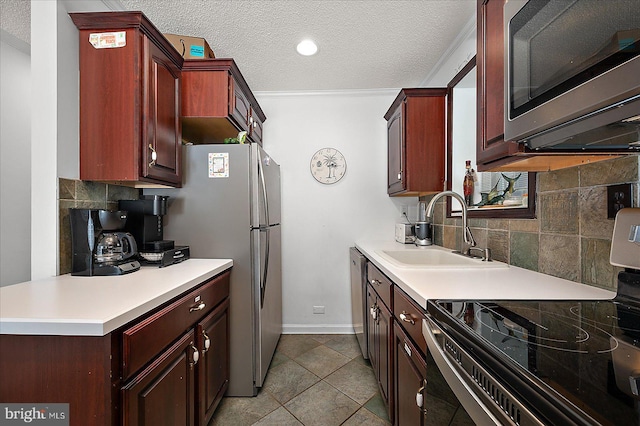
15,17
363,44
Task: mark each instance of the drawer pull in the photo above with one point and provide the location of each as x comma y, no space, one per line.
196,354
199,307
406,318
207,342
375,282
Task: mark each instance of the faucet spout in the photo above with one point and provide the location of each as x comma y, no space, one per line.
467,237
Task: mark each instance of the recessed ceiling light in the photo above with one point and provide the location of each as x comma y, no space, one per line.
307,47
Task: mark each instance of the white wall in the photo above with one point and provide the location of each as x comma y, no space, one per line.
15,160
320,222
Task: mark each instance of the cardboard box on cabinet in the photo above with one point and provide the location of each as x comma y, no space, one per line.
191,47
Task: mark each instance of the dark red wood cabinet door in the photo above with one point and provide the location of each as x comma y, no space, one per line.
164,392
385,336
491,145
213,369
162,138
395,155
410,373
240,108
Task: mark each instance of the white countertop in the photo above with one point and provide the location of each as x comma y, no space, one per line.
95,306
509,283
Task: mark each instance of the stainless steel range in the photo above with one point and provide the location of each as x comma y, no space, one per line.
547,362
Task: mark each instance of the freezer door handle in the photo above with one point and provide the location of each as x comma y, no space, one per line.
264,192
263,279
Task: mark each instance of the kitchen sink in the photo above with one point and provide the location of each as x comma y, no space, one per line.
435,259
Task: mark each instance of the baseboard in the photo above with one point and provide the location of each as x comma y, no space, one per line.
317,329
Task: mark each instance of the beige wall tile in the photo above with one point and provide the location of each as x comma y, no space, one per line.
559,212
596,269
593,213
620,170
524,225
499,245
523,250
559,179
559,255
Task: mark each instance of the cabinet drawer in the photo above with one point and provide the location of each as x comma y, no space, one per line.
380,283
409,316
145,340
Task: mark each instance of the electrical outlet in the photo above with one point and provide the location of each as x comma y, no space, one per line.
618,197
318,309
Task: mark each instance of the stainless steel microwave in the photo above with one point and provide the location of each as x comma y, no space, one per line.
572,74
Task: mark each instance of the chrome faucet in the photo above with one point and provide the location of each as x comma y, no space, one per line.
467,237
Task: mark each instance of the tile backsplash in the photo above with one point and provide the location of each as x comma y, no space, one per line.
89,195
571,236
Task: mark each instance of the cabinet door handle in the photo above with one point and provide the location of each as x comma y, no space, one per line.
420,396
199,307
400,176
374,312
195,354
207,342
407,318
154,156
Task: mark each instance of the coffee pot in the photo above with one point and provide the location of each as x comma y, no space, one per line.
115,247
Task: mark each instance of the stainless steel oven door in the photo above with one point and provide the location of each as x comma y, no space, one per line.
485,400
569,60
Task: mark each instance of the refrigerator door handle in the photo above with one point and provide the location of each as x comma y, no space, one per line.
263,284
264,191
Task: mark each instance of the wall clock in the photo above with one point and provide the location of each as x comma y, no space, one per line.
328,165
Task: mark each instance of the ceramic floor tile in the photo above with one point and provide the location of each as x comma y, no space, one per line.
287,380
293,395
323,338
322,405
364,417
346,344
354,380
278,358
293,345
279,417
322,361
377,407
239,411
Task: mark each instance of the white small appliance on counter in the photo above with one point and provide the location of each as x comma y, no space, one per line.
404,233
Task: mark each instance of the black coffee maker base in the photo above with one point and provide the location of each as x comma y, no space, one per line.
121,269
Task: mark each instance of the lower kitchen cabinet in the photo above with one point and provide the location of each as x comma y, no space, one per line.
380,333
164,393
168,366
380,347
411,377
213,368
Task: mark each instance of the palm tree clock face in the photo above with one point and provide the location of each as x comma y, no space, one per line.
328,165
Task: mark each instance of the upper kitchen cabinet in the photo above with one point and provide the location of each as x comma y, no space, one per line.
494,151
130,131
416,130
217,103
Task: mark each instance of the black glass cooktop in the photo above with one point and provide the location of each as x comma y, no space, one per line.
583,354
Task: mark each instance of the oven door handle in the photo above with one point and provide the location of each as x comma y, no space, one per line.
467,397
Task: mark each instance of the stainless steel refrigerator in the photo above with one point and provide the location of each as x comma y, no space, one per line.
229,207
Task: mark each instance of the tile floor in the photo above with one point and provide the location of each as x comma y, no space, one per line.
313,380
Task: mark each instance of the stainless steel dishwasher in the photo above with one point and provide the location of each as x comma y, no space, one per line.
358,266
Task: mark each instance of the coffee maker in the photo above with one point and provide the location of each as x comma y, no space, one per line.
422,227
99,245
145,223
